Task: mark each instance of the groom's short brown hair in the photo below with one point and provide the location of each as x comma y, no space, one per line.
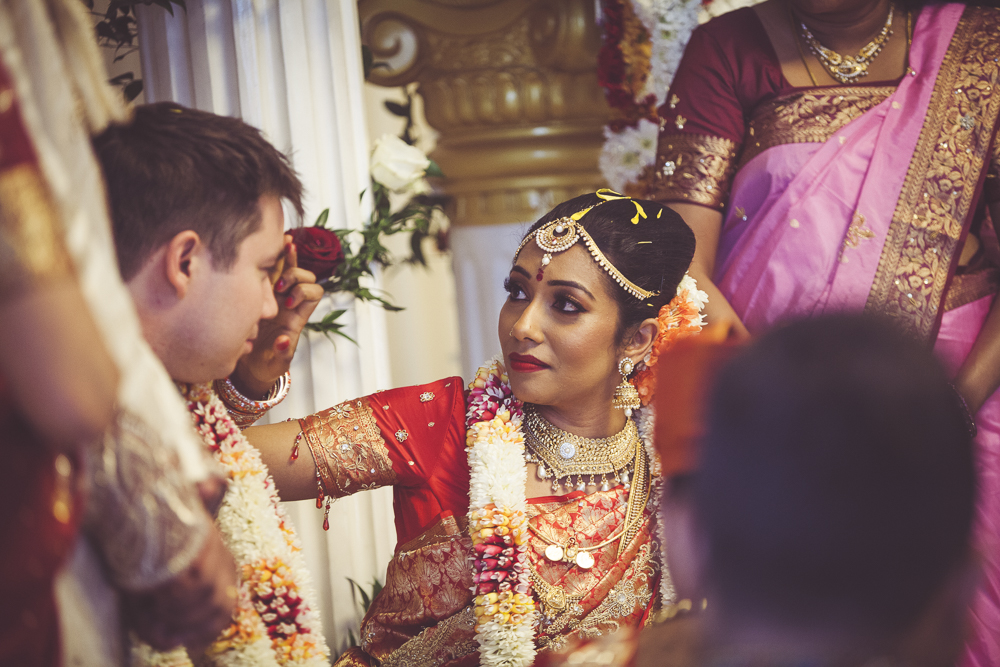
172,169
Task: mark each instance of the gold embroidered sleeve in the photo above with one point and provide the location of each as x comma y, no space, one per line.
350,453
693,168
31,244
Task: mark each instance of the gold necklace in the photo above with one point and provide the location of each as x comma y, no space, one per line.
554,599
845,69
563,456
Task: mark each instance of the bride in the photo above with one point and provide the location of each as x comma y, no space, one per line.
543,470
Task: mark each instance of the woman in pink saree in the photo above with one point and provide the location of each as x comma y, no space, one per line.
813,192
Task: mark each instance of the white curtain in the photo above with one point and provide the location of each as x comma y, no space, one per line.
293,69
481,257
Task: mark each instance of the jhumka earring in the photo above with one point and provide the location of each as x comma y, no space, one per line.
626,396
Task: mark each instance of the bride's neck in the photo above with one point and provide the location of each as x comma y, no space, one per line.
585,421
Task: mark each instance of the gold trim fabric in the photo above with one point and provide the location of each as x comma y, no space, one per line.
936,201
423,614
452,638
968,287
692,168
810,117
31,243
617,591
348,449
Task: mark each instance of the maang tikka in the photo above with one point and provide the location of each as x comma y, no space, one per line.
626,396
561,234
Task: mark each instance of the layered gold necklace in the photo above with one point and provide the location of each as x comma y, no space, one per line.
573,462
845,69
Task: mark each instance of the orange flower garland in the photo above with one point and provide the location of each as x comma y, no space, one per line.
680,318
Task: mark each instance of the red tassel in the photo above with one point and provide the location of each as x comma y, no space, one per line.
326,523
295,451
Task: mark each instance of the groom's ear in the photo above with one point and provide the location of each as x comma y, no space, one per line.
182,260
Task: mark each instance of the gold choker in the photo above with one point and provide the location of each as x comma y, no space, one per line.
563,456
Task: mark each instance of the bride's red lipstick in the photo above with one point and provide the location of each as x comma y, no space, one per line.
525,363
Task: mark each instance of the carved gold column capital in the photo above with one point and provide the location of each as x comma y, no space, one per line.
511,85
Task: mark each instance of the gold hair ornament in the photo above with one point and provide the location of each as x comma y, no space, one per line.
562,233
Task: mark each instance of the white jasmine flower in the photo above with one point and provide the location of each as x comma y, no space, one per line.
627,153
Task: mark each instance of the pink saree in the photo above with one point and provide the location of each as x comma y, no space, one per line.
856,198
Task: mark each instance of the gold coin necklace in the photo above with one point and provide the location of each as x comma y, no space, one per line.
568,456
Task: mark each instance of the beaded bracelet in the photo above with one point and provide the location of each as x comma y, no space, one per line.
246,411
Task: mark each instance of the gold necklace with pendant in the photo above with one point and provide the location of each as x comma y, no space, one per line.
573,462
847,69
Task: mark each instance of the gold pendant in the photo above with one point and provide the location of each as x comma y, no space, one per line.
554,601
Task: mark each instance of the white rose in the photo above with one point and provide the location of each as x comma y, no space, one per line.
396,164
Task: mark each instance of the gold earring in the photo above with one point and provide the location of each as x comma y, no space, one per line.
626,396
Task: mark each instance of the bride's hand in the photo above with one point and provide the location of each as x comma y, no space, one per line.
298,295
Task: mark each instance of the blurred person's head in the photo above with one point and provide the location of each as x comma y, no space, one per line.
196,209
835,489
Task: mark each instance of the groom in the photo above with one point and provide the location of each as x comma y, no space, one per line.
196,207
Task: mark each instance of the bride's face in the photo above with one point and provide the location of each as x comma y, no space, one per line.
558,334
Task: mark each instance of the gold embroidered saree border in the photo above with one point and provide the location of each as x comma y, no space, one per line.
348,449
809,117
452,638
445,529
31,243
693,168
936,201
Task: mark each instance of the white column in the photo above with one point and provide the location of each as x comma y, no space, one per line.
293,69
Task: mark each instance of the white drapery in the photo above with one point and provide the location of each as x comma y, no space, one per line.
293,69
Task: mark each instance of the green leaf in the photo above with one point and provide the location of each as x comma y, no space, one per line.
367,60
132,90
322,218
434,170
121,79
397,109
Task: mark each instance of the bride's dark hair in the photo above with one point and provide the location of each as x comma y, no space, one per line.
653,253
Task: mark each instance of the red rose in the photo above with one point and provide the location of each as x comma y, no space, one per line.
318,249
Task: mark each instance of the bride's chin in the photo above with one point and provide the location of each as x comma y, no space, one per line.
524,392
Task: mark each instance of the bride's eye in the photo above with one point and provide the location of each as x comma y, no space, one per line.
514,291
565,304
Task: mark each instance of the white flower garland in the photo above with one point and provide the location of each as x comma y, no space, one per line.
275,623
626,153
504,609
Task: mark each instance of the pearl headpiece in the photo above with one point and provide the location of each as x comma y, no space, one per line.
562,233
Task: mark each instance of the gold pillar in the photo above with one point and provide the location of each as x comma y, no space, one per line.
511,85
